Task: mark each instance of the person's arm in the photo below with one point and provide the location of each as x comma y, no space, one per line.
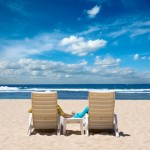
81,114
65,115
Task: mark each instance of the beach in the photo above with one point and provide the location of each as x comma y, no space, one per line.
133,123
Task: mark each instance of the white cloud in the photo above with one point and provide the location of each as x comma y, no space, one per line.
118,33
83,62
136,57
107,70
70,40
67,76
140,23
38,45
83,48
138,32
25,47
107,61
78,46
90,29
45,71
143,58
128,26
93,12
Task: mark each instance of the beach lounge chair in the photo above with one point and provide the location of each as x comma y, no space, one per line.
101,112
44,112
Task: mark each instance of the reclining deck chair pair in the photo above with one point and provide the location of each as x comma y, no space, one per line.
100,116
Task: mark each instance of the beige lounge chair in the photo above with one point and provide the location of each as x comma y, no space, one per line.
44,112
101,112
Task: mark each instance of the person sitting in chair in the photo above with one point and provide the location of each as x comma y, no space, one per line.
66,115
60,112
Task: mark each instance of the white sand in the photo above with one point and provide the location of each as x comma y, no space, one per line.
133,118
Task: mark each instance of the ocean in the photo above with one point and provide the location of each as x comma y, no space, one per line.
76,91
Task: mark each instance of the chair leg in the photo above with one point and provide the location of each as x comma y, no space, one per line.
116,126
59,126
58,132
87,132
30,124
81,127
64,126
86,125
29,132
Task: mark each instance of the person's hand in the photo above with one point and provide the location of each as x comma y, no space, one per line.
30,110
73,112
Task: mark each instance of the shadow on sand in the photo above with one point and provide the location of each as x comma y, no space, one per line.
44,132
123,134
73,132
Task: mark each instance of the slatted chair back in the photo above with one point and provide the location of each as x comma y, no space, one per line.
44,110
101,110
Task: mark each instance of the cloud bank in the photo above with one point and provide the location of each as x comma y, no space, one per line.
103,70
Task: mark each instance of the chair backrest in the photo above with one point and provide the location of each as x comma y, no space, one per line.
44,110
101,110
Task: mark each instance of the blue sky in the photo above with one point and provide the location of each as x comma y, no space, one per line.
74,41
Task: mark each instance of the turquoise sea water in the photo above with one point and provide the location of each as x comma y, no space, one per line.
76,91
